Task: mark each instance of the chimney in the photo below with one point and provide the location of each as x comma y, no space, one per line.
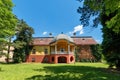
50,34
74,34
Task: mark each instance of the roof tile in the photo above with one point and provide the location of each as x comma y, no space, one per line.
77,41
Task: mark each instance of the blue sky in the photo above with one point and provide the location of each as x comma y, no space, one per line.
53,16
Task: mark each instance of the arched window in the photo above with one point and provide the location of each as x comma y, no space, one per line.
71,58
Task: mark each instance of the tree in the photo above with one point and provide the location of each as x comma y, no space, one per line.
21,43
106,13
7,20
96,51
7,23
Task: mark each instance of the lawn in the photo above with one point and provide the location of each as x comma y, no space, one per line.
37,71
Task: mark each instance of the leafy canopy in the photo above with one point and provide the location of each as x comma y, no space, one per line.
7,19
106,13
21,43
7,22
111,8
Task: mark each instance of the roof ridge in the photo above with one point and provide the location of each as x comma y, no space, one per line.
42,37
81,36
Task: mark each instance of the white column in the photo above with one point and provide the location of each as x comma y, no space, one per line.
68,49
55,49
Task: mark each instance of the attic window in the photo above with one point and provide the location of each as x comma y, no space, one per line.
83,39
41,39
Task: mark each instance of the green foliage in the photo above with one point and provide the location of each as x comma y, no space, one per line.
2,47
7,19
98,7
22,41
107,13
96,51
76,55
113,24
110,47
7,23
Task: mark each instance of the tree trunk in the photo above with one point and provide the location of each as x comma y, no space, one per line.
8,50
8,53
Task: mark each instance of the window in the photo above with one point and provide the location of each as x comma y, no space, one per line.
34,51
62,50
71,58
33,59
83,39
46,51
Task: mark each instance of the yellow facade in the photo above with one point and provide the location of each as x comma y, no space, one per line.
40,50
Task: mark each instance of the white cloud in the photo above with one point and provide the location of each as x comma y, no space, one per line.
79,29
98,41
81,32
44,33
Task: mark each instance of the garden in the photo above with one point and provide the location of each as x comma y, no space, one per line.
38,71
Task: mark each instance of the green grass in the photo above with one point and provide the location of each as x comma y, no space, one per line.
37,71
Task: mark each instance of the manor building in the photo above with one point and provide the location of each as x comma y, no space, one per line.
60,49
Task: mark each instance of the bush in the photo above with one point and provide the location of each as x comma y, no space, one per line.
0,69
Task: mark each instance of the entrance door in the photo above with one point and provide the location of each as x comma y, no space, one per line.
62,59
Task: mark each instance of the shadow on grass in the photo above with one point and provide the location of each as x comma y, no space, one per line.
1,70
7,63
73,73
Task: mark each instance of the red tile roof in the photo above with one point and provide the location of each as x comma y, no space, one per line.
84,41
77,40
42,40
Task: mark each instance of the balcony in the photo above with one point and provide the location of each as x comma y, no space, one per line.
65,52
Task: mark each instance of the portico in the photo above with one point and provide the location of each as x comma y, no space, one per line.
62,49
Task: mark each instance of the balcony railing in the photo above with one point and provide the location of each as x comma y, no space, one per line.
64,52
